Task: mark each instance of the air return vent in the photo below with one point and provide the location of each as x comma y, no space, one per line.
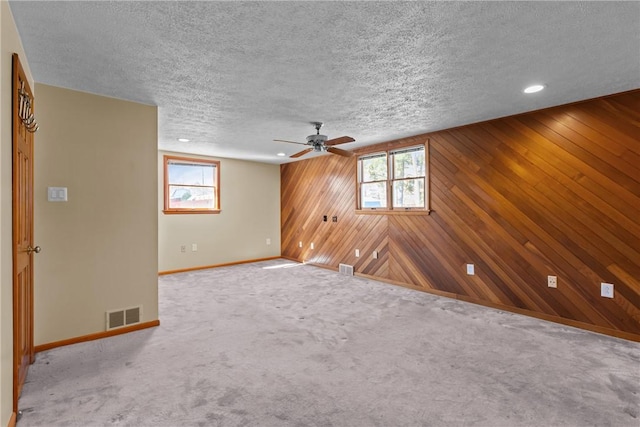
345,269
124,317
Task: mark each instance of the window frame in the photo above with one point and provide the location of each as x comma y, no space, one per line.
360,181
389,149
169,159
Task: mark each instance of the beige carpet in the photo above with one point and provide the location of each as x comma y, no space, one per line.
282,344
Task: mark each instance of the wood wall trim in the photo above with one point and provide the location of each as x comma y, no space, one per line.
13,420
529,313
204,267
97,335
392,212
550,192
394,145
192,211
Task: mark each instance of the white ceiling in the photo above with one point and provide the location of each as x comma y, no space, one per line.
233,76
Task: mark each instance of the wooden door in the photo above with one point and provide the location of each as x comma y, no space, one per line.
23,248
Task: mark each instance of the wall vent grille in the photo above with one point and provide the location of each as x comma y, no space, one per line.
345,269
124,317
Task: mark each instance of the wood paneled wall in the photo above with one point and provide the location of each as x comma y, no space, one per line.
553,192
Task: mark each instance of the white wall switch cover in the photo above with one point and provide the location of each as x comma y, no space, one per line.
606,290
194,247
357,253
57,194
268,241
471,269
375,254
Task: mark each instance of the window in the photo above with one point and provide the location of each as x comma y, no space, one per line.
373,180
393,180
191,185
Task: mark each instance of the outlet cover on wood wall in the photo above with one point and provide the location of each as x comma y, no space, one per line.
606,290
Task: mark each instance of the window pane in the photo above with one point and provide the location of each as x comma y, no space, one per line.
374,168
183,197
408,193
374,195
191,174
408,164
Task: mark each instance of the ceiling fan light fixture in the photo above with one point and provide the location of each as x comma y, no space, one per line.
533,89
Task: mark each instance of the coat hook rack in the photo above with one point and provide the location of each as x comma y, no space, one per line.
24,111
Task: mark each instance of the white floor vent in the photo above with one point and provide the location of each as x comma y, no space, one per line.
124,317
345,269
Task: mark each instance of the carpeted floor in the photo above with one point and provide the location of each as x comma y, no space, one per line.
282,344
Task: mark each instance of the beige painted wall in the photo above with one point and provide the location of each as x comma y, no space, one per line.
99,249
250,202
11,43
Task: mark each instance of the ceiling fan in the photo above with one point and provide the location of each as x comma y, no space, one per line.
320,143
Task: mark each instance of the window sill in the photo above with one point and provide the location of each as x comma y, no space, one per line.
393,212
191,211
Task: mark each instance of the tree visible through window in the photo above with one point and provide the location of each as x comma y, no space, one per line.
408,177
191,185
373,180
394,179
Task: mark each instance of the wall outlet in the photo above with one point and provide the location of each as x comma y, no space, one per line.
375,254
606,290
334,218
194,247
183,248
312,245
357,253
552,281
299,244
471,270
268,242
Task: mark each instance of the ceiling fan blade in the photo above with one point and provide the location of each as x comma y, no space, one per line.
341,140
290,142
301,153
339,151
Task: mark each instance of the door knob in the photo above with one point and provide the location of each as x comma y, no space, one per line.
37,249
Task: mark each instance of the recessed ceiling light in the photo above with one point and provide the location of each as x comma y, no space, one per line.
534,89
183,140
280,154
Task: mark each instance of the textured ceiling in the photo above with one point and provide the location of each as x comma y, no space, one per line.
233,76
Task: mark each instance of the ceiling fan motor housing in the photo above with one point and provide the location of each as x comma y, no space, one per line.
316,139
318,143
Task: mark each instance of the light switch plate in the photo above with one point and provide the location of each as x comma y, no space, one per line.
57,194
